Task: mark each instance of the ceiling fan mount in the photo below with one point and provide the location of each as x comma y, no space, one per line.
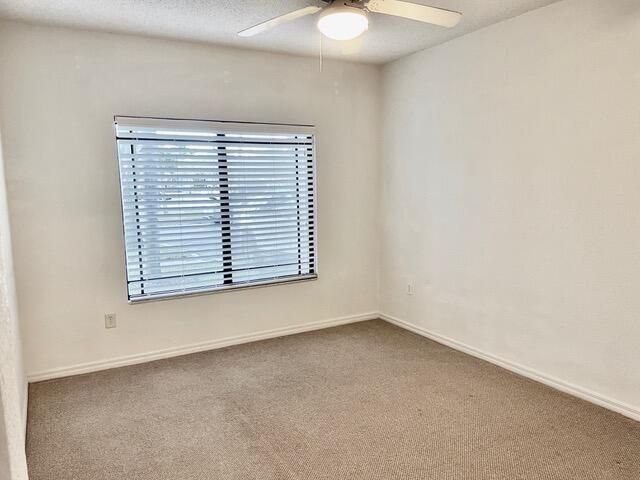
347,19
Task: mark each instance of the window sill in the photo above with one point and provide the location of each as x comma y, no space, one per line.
223,289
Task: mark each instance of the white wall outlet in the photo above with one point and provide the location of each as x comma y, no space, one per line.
109,320
411,289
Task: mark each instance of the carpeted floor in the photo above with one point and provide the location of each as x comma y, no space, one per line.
363,401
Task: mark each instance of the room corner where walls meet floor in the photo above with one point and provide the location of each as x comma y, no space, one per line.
366,400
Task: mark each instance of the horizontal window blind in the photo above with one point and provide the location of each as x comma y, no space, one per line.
215,205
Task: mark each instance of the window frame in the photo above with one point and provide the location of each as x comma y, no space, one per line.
251,128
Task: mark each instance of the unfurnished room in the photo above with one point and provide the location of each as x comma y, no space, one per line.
320,240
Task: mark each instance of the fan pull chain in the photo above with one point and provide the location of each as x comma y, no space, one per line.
320,53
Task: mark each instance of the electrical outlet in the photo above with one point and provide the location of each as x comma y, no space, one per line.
410,288
109,320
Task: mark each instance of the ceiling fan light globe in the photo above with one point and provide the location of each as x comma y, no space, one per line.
343,23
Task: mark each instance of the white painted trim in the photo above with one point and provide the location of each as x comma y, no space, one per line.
193,348
25,409
566,387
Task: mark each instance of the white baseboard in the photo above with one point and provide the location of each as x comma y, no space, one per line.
566,387
193,348
25,409
576,391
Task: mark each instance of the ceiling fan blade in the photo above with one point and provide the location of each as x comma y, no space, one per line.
413,11
274,22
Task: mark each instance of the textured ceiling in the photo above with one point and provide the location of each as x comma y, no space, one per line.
217,21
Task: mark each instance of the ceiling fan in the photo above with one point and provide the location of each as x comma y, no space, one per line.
345,20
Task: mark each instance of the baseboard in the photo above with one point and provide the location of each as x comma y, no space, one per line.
566,387
25,409
193,348
576,391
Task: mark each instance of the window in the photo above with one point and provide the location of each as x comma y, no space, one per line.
215,205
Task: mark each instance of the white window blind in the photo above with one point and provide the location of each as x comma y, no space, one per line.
215,205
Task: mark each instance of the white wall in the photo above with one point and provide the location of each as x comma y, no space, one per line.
60,89
511,188
13,384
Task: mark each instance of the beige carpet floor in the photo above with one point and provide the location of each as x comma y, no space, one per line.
363,401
